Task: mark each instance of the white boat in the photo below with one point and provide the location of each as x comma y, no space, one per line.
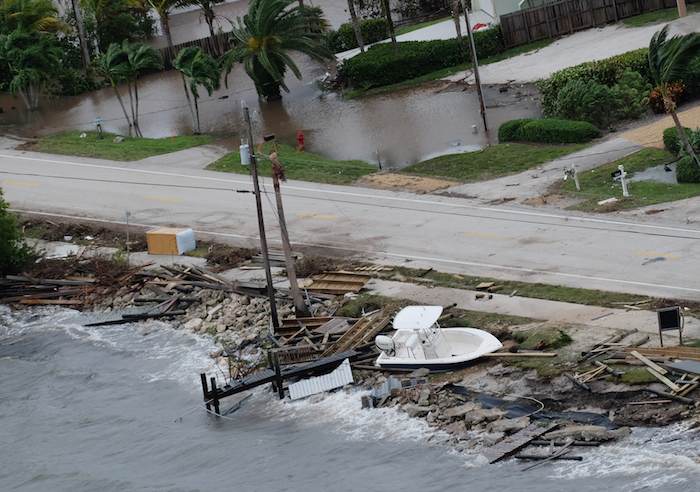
420,342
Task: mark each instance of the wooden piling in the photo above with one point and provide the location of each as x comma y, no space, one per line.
205,389
279,382
215,396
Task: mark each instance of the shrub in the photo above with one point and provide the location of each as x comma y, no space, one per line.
14,253
631,95
607,72
510,130
687,171
671,141
343,39
385,64
587,101
550,130
676,90
692,77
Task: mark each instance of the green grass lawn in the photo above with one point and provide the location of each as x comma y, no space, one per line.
446,72
413,27
658,16
131,149
597,185
491,162
524,289
303,166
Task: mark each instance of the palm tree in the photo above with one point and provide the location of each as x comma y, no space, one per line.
163,9
32,60
356,25
113,65
30,15
668,61
264,38
140,58
199,69
207,8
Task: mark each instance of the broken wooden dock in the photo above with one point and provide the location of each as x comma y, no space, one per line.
274,374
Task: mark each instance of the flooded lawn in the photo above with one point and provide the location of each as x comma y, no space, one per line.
397,129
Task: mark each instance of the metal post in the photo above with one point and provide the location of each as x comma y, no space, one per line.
623,181
475,67
261,224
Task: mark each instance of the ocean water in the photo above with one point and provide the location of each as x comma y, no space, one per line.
119,409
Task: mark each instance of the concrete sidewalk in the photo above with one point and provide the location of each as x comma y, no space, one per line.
584,46
541,309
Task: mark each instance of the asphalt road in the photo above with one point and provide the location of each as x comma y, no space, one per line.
448,234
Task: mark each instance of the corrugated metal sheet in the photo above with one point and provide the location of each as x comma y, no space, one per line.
341,376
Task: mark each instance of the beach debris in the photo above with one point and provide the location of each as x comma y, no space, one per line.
338,378
511,444
336,283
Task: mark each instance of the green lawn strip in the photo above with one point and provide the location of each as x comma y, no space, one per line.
304,166
131,149
491,162
445,72
597,185
414,27
657,16
523,289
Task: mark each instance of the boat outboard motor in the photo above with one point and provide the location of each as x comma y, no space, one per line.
385,344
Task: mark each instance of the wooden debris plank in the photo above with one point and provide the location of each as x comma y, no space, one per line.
649,363
513,443
51,302
664,379
521,354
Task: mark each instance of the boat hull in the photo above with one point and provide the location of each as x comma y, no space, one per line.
466,346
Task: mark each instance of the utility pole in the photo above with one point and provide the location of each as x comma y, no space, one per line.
682,10
277,176
261,223
475,67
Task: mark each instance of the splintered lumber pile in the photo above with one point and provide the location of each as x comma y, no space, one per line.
306,339
337,283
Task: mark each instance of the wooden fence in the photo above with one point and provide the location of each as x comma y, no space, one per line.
568,16
215,46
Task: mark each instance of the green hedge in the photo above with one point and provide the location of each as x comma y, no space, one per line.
606,72
548,130
671,141
509,131
344,39
386,64
687,171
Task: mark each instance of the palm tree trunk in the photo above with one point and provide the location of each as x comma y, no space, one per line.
131,106
165,25
209,17
684,137
455,18
136,113
386,8
356,25
196,110
121,103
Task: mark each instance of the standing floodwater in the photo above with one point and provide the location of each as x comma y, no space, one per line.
118,408
397,129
